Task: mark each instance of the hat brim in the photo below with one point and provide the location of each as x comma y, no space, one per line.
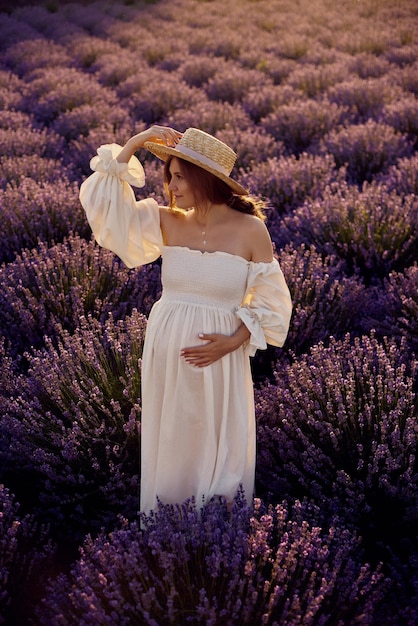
163,152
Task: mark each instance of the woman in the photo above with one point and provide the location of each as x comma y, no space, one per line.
224,297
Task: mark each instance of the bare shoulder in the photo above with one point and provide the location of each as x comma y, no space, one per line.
261,246
170,216
166,211
170,222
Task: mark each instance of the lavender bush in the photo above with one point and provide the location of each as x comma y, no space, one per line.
113,69
303,124
34,212
233,83
339,426
52,91
394,308
402,177
78,122
81,149
197,70
24,139
402,115
26,56
365,149
150,101
58,286
374,231
286,182
324,302
364,98
12,31
14,169
209,116
367,65
89,52
217,568
71,428
316,99
277,67
258,103
46,21
313,80
408,76
253,146
26,555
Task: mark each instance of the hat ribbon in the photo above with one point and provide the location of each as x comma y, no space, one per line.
202,158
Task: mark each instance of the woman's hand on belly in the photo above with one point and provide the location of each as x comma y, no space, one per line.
216,347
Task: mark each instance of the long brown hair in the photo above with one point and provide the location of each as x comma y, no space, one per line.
208,188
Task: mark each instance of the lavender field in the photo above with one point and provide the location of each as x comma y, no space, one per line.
320,100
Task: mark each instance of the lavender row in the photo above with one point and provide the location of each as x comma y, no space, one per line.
324,118
337,428
217,568
51,288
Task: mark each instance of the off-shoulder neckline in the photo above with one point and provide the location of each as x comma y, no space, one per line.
218,252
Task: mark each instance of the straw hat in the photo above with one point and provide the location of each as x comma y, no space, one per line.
203,150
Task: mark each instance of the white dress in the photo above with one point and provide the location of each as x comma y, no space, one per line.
198,424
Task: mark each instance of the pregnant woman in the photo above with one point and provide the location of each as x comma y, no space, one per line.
224,296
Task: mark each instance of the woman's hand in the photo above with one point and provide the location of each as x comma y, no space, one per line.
217,346
160,134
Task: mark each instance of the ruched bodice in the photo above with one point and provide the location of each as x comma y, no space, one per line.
214,279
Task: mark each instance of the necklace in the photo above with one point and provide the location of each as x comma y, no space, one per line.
203,232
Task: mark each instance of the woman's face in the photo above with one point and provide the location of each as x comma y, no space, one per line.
179,187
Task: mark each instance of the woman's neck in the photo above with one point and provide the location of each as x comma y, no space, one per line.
209,215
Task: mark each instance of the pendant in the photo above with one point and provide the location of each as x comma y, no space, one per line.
204,237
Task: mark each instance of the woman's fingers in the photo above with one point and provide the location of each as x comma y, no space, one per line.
202,355
165,135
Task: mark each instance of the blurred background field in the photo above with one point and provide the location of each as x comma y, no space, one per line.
319,99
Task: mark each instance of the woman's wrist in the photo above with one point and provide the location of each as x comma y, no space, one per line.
240,337
131,146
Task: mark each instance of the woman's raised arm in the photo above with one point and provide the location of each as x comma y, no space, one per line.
160,134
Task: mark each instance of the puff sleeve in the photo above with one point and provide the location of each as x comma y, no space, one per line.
267,307
130,228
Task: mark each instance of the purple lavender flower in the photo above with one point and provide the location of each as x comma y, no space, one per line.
209,116
27,56
403,115
368,65
339,427
286,182
214,567
324,302
302,124
365,149
71,426
52,91
12,31
31,213
25,559
402,177
197,70
372,230
233,83
150,100
315,103
365,98
395,310
50,288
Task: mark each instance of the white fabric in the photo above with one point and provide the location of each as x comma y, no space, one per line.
118,222
198,424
